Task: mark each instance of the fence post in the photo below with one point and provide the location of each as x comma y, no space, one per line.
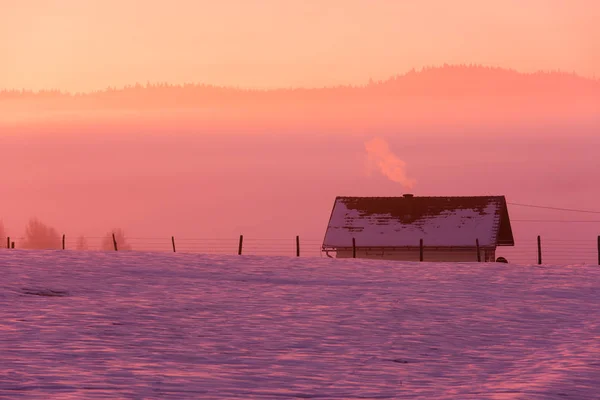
421,250
353,248
539,245
599,250
12,245
115,242
8,242
173,243
297,246
240,246
478,252
63,241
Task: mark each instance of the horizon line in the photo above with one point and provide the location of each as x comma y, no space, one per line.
364,84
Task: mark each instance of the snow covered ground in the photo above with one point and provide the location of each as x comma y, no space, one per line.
78,325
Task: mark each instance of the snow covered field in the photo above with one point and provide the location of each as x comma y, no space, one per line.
77,325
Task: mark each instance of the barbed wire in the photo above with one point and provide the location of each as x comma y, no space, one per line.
554,208
597,221
554,250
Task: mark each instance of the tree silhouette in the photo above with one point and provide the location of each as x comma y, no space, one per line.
2,235
81,243
40,236
107,242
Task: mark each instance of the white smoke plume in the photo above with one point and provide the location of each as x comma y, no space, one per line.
380,156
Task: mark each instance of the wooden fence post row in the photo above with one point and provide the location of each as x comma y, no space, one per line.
11,245
241,245
421,247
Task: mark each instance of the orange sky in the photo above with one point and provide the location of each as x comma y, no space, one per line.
80,45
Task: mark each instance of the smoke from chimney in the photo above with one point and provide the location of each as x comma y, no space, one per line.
380,156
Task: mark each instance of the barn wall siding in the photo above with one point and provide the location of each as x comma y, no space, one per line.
432,255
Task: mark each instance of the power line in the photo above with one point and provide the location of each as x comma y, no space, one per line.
597,221
554,208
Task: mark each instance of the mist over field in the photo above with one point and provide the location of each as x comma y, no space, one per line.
202,161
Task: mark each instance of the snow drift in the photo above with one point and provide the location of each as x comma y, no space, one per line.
174,326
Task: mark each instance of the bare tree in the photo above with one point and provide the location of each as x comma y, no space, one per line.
2,235
40,236
81,243
107,242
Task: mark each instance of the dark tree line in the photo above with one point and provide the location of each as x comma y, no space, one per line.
40,236
397,84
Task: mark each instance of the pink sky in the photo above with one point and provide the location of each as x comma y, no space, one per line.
160,162
84,45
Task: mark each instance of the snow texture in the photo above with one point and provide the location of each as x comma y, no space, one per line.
179,326
454,227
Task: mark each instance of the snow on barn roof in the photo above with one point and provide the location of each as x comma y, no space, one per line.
403,221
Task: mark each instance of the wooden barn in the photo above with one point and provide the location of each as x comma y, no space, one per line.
393,228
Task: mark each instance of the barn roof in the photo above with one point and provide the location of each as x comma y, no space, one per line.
403,221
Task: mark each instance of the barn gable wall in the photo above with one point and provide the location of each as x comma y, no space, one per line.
430,255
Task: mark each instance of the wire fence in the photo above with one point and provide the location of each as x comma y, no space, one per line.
553,251
224,246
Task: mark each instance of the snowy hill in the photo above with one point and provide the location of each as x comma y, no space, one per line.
177,326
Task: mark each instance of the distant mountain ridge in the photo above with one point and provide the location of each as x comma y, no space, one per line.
455,94
447,79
